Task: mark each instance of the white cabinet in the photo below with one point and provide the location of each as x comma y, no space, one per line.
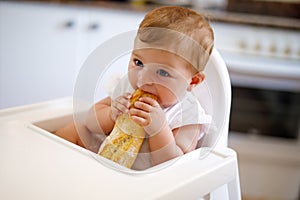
42,47
108,24
38,53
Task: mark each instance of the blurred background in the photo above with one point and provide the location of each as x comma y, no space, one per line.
44,43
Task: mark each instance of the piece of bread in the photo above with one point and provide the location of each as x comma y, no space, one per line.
124,142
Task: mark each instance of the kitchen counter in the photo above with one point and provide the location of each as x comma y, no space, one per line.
213,14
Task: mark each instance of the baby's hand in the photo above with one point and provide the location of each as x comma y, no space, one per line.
120,105
148,113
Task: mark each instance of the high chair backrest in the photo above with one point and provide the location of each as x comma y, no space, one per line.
214,95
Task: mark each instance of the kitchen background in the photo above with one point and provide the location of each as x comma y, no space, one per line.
44,43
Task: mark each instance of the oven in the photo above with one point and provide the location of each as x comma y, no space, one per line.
264,67
262,111
266,104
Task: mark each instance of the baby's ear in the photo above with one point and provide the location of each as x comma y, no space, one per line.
196,79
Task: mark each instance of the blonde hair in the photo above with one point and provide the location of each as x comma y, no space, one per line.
182,20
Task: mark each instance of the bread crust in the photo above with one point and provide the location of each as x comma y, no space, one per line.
138,94
125,140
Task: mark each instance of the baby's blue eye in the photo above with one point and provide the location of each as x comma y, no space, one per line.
163,73
138,63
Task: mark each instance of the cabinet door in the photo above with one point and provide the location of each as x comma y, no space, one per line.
103,24
38,52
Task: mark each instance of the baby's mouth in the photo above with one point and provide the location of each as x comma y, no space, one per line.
148,90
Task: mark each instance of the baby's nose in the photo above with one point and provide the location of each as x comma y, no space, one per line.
144,78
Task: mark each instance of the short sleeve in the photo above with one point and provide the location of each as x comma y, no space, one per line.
187,112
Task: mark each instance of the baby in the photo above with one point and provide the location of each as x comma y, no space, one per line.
171,49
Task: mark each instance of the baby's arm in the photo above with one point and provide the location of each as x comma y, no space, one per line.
71,131
102,116
98,116
98,119
167,145
78,134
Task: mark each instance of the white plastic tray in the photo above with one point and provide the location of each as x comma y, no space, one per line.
36,164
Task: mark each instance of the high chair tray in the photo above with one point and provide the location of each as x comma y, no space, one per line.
36,164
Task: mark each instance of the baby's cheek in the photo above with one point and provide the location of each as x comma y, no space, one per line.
167,99
132,81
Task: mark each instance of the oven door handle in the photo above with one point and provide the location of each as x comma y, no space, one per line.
266,71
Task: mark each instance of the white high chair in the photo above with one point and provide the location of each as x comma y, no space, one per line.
35,164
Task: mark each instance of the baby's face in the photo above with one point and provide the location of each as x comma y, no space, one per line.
161,73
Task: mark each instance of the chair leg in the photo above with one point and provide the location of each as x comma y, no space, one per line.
220,193
234,192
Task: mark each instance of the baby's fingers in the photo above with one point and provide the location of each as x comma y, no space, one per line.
124,100
139,116
140,120
121,105
149,100
143,106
